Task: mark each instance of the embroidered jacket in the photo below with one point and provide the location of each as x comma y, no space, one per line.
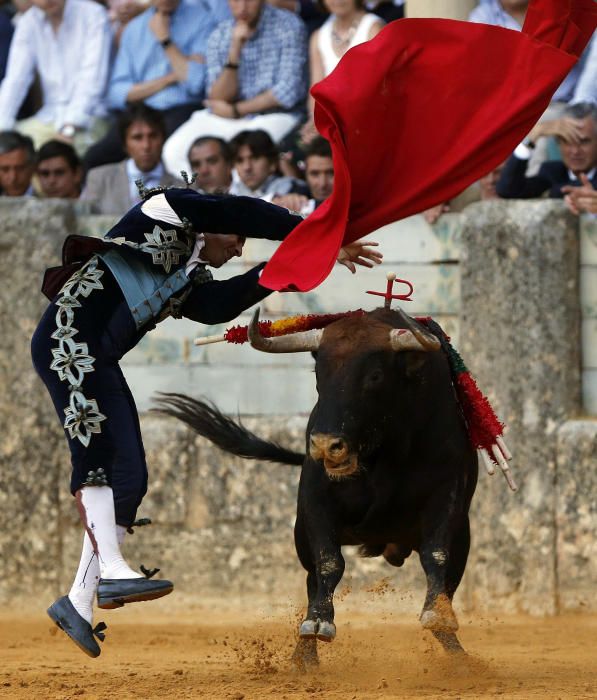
147,256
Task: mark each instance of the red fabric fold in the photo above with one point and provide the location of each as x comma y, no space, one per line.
420,112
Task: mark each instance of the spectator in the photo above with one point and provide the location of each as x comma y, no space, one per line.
256,73
161,62
255,158
581,199
511,15
67,43
17,164
577,136
348,26
112,188
59,170
319,174
211,161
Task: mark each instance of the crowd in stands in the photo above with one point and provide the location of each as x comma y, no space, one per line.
96,96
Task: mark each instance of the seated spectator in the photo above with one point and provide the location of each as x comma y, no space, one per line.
67,43
577,138
17,164
255,159
582,199
59,170
511,15
112,188
161,62
348,26
319,174
257,78
211,161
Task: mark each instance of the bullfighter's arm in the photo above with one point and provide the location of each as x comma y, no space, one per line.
221,301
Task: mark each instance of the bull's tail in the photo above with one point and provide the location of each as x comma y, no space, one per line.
204,418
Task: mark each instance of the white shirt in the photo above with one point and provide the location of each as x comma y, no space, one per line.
158,208
72,65
150,179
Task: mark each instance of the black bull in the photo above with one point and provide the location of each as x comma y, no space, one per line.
388,464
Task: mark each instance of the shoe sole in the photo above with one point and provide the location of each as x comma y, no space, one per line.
113,602
82,647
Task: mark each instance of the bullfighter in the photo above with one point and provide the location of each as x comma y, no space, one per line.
104,298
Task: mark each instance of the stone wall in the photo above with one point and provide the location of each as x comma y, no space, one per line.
223,526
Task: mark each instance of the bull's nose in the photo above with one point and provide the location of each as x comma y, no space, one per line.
331,447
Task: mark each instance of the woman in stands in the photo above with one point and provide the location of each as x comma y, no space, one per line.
348,25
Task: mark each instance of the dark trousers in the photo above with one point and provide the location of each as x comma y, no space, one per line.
105,325
110,149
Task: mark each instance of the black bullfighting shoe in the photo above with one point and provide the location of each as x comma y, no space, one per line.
115,592
78,629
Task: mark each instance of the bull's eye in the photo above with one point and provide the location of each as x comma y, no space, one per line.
374,378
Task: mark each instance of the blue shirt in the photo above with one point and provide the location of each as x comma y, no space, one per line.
140,57
274,58
492,12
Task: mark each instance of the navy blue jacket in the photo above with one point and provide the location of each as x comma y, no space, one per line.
552,176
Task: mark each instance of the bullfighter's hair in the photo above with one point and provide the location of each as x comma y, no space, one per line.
230,436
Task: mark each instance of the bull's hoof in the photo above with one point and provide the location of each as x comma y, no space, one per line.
308,629
432,620
311,629
326,631
440,617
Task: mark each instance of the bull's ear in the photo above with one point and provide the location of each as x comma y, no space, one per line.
414,362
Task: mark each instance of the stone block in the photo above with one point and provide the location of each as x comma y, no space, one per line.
576,516
520,338
32,454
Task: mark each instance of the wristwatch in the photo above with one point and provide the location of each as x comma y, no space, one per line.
68,130
166,42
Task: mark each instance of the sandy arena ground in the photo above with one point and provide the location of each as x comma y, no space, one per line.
207,653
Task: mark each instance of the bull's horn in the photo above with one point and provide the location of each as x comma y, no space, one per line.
305,341
414,337
427,341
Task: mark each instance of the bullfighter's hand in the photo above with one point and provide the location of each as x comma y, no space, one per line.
359,253
294,202
221,108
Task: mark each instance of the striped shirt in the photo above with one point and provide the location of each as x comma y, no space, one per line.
274,58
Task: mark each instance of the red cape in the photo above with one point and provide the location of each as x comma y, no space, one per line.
420,112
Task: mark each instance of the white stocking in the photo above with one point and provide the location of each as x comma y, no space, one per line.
84,586
97,504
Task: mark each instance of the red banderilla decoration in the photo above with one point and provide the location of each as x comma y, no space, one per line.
388,296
